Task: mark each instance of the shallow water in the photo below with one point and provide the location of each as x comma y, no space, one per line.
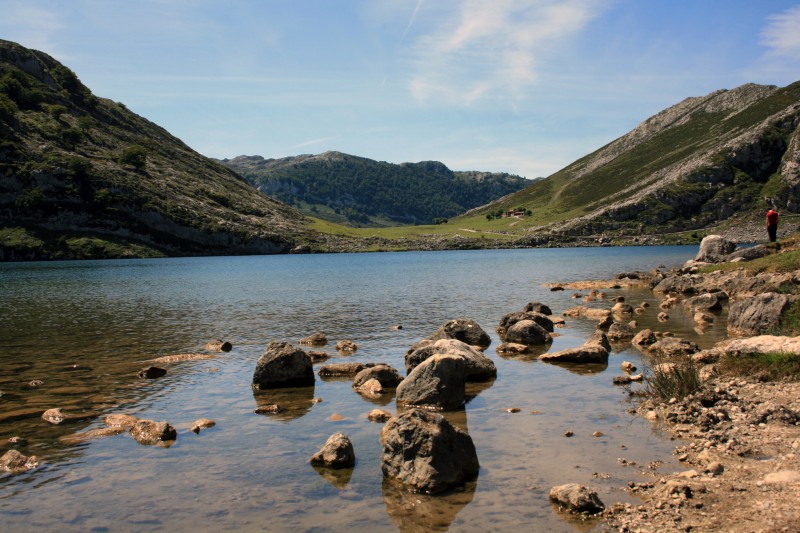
85,328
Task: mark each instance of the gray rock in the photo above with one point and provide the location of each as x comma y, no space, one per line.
714,248
674,346
436,383
478,366
336,453
283,365
527,332
577,498
758,315
512,318
426,453
463,329
750,253
618,332
343,369
583,354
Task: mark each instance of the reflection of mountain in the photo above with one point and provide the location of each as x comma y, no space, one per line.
421,512
292,402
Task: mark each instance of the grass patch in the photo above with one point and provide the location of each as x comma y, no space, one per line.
776,366
674,377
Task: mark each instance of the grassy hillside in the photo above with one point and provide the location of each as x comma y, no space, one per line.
694,165
82,176
357,191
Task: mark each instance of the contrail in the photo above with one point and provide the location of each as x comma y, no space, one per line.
412,19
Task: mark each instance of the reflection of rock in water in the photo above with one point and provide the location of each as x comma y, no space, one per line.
472,389
582,368
385,398
292,402
422,512
457,418
338,477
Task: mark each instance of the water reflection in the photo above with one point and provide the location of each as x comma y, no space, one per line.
420,513
583,369
284,404
338,477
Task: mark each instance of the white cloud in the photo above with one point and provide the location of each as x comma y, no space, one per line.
782,33
312,142
476,50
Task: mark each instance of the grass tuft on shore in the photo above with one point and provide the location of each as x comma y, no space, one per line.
674,377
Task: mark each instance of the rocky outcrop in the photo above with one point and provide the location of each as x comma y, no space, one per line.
758,315
478,366
425,453
436,383
283,365
336,453
465,330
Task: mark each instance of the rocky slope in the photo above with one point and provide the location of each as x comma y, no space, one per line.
707,161
358,191
82,176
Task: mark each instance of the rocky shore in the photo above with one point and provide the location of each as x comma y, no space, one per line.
738,434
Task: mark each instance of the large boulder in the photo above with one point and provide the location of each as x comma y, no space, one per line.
283,365
527,332
577,498
465,330
620,332
437,383
759,344
758,315
336,453
426,453
714,248
478,366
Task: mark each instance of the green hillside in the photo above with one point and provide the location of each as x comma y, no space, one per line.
357,191
82,176
691,166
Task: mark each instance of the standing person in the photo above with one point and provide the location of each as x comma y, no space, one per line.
772,225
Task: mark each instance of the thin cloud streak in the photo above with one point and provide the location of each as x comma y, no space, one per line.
782,34
314,141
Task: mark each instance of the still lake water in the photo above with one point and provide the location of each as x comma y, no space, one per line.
86,327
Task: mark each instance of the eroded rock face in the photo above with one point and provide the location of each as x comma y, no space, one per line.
758,315
426,453
336,453
436,383
577,498
283,365
478,366
465,330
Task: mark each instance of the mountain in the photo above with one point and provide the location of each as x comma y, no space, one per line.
82,176
358,191
707,162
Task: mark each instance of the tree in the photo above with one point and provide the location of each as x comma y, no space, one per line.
135,156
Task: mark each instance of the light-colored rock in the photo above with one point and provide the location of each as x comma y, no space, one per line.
149,432
714,248
315,339
336,453
379,415
478,366
201,423
436,383
346,346
577,498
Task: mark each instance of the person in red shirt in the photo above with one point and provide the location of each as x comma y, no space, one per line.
772,225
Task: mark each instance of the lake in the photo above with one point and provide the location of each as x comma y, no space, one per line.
85,328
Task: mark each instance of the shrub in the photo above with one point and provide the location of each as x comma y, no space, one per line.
70,137
135,156
30,198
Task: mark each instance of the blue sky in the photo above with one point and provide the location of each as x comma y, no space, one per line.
504,85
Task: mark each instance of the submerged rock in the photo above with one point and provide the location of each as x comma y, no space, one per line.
201,423
217,345
336,453
152,372
426,453
283,365
346,347
315,339
16,463
342,369
149,432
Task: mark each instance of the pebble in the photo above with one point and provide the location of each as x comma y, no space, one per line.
568,433
513,409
